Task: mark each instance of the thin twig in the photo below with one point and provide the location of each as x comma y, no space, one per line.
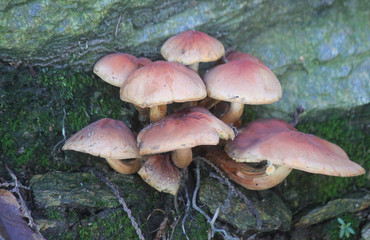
117,26
235,191
120,199
162,229
211,221
63,132
186,212
11,184
23,206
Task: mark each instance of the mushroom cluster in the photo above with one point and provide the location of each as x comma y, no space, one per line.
256,158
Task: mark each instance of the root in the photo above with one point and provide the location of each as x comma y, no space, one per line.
120,199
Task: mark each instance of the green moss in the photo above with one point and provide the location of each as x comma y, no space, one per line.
196,227
115,225
32,111
54,214
316,188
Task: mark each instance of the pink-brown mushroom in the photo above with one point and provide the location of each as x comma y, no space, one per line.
191,47
242,82
284,148
114,68
160,173
181,131
160,83
110,139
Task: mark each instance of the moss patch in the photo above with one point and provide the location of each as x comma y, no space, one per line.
32,111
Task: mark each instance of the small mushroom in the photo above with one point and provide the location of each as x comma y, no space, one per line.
110,139
160,83
284,147
160,172
240,55
181,131
114,68
191,47
242,82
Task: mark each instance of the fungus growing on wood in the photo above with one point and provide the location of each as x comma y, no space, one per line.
191,47
181,131
160,83
242,82
110,139
160,172
114,68
284,148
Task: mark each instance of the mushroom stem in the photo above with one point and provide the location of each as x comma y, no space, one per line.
143,113
194,66
253,178
125,167
261,180
234,113
157,112
182,157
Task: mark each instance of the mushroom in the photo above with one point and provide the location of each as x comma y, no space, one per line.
114,68
240,55
181,131
159,172
242,82
255,177
110,139
284,148
142,61
160,83
191,47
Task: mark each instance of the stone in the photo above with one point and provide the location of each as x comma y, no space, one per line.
365,231
84,190
318,49
335,208
271,208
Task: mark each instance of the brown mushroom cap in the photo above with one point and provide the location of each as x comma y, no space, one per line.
106,138
142,61
191,47
115,68
161,83
184,129
240,55
110,139
159,172
281,144
243,81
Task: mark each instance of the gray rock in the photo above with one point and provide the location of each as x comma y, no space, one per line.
365,232
335,208
318,49
272,210
84,190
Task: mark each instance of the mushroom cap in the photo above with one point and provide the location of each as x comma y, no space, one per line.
184,129
281,144
114,68
191,47
142,61
161,83
240,55
243,81
106,138
159,172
